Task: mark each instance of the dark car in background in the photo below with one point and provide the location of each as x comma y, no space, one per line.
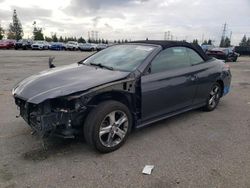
23,44
57,46
226,54
120,88
7,44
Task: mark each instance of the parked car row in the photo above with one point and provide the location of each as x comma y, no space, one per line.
44,45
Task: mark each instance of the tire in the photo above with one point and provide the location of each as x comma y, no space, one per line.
235,59
213,97
101,118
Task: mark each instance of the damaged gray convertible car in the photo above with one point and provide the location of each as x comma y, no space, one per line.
120,88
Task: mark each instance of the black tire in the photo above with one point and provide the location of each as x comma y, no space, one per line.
213,99
235,59
95,120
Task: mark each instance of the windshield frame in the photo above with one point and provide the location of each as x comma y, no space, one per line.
156,48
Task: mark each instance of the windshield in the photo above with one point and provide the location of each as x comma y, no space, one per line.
121,57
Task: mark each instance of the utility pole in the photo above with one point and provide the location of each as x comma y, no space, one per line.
169,33
224,30
202,39
165,35
96,35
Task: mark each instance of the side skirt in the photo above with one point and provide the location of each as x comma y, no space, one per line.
141,124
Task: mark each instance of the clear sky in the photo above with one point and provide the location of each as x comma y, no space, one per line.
132,19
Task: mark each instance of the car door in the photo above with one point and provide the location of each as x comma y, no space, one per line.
206,74
169,84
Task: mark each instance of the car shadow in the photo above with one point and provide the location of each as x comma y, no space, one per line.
55,147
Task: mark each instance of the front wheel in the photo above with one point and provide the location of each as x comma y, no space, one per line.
108,126
213,98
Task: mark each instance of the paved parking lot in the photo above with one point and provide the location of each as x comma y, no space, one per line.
195,149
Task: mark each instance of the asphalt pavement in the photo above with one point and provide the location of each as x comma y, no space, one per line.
194,149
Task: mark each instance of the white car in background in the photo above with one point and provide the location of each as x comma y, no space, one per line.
72,45
40,45
87,47
101,46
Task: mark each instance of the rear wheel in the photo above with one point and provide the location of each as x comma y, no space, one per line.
107,126
213,98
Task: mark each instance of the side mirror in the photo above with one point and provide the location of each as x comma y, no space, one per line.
51,65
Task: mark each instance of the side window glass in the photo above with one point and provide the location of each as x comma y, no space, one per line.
169,59
194,57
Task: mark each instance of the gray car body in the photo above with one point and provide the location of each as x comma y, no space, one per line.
150,97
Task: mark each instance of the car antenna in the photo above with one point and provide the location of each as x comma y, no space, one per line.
51,65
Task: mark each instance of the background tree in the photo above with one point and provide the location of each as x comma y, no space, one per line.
54,38
227,42
15,30
195,41
1,33
205,42
209,42
48,39
248,42
61,39
243,41
81,40
37,32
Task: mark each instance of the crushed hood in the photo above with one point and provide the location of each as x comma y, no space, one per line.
63,81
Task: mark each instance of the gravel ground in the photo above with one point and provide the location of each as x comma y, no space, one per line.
194,149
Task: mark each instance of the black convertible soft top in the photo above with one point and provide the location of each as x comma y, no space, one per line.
166,44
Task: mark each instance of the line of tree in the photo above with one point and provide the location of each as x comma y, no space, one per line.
15,31
245,42
121,41
205,42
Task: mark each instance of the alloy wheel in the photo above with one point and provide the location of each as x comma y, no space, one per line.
214,96
113,129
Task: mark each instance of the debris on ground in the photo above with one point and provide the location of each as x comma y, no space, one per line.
148,169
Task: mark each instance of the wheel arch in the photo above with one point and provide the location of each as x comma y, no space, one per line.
221,83
119,96
125,98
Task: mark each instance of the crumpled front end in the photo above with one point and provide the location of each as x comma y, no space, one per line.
53,117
